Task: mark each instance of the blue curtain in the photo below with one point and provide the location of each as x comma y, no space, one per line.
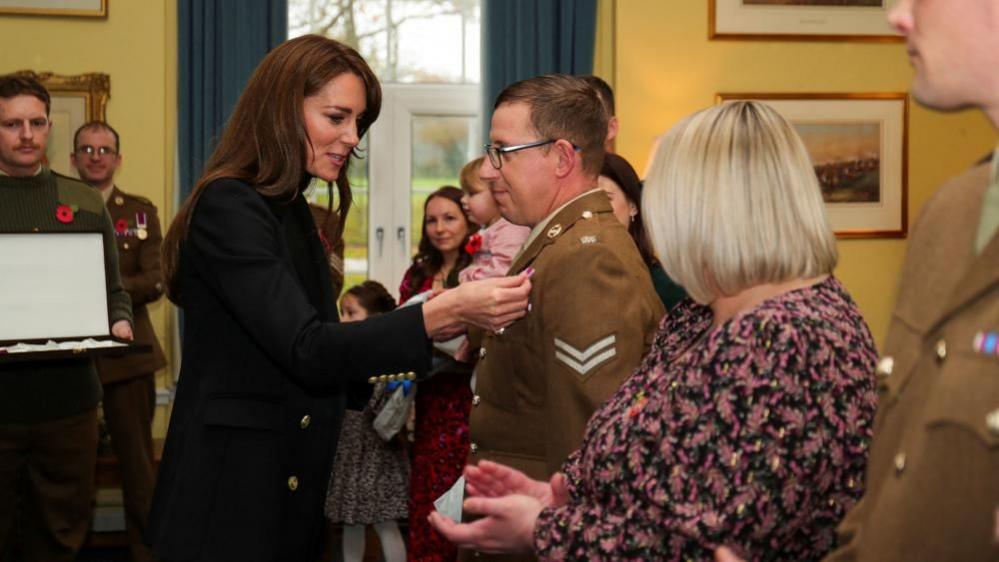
525,38
220,43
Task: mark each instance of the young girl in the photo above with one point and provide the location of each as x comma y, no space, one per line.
369,484
494,247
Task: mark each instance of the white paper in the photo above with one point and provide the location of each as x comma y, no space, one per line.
449,505
50,345
52,285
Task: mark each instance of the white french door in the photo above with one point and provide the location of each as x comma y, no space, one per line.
422,138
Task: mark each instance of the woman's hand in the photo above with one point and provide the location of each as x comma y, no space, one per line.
507,524
723,554
490,304
493,480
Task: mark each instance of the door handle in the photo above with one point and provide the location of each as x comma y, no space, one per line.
400,235
380,238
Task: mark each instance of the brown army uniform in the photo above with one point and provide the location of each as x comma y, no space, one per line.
593,316
129,383
932,490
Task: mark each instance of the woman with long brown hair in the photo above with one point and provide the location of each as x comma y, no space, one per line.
266,365
443,402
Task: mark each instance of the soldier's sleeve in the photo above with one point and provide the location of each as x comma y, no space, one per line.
119,303
600,319
147,285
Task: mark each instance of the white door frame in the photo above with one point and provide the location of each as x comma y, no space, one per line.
390,169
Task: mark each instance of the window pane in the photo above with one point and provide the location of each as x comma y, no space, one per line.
441,146
411,41
356,233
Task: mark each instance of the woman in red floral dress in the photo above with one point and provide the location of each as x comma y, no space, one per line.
443,402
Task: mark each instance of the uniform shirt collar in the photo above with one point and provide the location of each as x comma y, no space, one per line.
38,171
541,226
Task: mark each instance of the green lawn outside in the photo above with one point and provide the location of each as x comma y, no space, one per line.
356,232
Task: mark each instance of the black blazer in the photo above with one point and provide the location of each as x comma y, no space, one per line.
265,374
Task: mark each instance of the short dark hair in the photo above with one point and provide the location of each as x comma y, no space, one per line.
96,125
564,107
13,85
604,92
372,296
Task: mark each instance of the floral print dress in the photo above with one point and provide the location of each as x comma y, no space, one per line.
753,434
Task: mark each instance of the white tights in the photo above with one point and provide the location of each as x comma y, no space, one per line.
393,549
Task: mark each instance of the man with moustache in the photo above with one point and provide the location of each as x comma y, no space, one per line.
48,408
932,486
129,383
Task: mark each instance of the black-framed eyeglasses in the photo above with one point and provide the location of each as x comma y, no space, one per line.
91,150
495,153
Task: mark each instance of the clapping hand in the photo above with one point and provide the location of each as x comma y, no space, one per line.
509,503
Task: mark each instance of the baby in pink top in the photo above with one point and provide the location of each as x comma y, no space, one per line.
494,247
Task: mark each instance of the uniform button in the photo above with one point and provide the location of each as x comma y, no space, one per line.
476,399
885,366
292,483
992,421
474,448
899,463
941,350
125,245
306,420
482,353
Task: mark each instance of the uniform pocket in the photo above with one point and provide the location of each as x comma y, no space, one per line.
966,398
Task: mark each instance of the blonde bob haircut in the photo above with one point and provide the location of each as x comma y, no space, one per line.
732,201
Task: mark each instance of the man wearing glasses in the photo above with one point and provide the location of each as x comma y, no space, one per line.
129,383
593,310
48,408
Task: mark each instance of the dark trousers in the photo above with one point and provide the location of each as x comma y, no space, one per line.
47,477
129,406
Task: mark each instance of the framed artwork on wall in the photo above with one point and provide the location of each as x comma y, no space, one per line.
801,20
75,8
859,146
75,100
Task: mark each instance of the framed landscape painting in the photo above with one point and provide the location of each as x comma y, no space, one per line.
859,147
801,20
74,8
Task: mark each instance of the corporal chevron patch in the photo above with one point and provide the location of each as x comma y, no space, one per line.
585,360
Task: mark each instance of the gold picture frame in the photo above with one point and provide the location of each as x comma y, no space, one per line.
70,8
859,144
789,20
76,99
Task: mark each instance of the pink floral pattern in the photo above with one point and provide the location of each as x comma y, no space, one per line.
753,434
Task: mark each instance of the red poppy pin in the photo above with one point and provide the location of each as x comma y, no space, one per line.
64,214
474,243
121,226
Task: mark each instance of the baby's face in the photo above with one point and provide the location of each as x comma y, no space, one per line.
480,205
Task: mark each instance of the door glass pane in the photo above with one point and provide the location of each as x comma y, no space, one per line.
356,233
409,41
442,144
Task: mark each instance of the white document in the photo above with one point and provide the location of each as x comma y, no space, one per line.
52,285
449,505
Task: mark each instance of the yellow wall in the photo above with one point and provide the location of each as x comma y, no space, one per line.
136,46
666,68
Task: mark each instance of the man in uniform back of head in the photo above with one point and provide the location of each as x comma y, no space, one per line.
593,309
48,409
606,95
129,384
